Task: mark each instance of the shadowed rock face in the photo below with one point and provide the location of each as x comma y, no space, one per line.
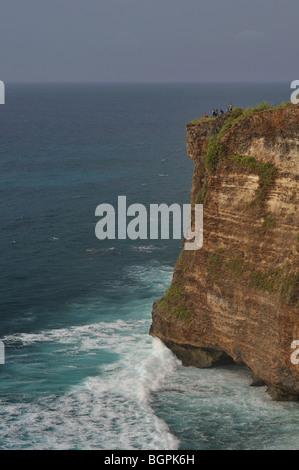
238,297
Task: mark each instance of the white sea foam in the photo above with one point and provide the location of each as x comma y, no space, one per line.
117,405
146,248
153,275
116,408
75,335
100,251
110,411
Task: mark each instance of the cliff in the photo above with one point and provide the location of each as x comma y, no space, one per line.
237,298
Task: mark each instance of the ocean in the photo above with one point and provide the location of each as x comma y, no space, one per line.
81,370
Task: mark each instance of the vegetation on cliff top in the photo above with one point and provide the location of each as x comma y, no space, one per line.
238,112
215,152
215,149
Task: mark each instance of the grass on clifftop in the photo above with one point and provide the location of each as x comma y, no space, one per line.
215,150
245,112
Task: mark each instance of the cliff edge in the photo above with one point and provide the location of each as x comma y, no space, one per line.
237,298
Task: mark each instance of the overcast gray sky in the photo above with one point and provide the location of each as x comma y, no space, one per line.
148,40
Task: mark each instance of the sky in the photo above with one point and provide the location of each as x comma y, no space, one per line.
149,41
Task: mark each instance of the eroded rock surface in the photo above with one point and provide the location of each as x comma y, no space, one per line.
237,298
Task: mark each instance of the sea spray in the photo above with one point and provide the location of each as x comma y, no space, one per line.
110,410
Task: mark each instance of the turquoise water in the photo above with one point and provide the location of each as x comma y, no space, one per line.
81,370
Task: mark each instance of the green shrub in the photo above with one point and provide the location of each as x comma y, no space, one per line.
201,197
290,289
212,156
176,304
243,160
237,112
237,265
268,281
285,104
264,106
267,225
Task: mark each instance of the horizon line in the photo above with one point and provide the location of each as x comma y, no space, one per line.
218,82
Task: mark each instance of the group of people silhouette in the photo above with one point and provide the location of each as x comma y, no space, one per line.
217,112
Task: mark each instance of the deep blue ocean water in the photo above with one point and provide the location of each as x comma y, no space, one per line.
81,370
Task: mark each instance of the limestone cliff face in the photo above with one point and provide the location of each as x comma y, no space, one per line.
236,299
